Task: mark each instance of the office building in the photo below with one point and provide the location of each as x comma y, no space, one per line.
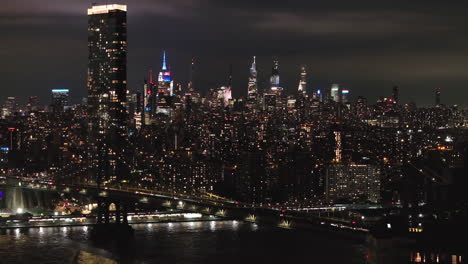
59,100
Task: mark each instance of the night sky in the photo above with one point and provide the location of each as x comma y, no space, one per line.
365,46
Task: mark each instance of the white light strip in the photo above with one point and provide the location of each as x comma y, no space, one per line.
103,9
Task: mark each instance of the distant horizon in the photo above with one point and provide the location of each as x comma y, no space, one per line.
77,97
354,45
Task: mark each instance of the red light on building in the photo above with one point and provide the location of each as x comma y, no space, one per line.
11,129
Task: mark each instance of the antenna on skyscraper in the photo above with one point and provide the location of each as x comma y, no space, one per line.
230,76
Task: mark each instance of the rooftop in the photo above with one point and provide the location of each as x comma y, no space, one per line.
103,9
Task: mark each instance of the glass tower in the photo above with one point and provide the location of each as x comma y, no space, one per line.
107,66
107,87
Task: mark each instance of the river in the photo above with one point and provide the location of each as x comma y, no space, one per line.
189,242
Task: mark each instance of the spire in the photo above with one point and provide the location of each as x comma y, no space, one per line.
254,66
302,80
192,69
230,75
164,67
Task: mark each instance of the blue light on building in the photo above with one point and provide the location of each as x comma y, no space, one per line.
60,90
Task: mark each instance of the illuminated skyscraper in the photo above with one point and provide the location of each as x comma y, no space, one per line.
164,79
335,93
107,81
252,90
225,92
10,107
275,78
59,99
165,89
302,82
338,147
107,66
318,95
344,96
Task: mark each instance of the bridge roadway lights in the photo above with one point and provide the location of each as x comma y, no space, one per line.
193,208
167,204
207,210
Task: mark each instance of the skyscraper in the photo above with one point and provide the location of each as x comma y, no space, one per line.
344,96
437,96
190,87
396,94
164,79
165,89
107,81
302,82
59,99
107,66
334,93
10,107
33,104
275,78
252,89
225,92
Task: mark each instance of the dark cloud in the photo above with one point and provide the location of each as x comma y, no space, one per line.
366,46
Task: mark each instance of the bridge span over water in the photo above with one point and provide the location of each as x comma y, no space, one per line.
206,204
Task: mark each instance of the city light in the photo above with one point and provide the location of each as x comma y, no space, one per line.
230,141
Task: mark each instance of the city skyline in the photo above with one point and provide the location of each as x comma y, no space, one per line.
345,55
234,147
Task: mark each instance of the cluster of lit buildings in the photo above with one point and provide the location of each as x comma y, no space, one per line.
268,147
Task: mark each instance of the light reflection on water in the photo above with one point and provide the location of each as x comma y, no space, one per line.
196,242
433,258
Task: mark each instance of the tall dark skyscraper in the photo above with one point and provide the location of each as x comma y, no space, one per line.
396,94
437,96
190,87
107,87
